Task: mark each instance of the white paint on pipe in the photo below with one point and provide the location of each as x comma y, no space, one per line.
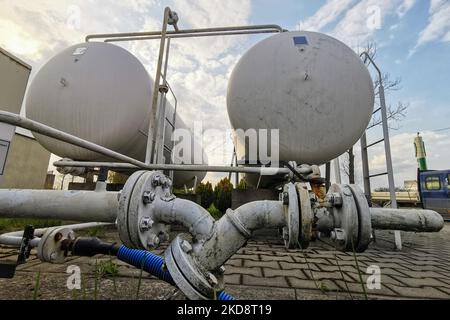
63,205
416,220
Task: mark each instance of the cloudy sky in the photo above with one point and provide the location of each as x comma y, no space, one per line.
413,40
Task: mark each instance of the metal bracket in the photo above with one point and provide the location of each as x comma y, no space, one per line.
8,268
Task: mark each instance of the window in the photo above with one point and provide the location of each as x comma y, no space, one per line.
432,183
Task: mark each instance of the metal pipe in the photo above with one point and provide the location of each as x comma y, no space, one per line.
193,35
365,167
181,167
186,213
414,220
185,31
23,122
151,127
56,204
234,229
15,238
387,145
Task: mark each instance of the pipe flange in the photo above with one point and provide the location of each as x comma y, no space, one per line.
364,219
306,215
135,221
49,248
292,214
345,234
195,282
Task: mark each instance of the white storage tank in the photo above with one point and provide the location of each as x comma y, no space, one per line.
102,93
310,86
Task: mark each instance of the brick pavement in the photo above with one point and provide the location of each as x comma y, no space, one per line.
266,270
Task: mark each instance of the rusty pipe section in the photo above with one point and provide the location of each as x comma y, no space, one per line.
233,230
416,220
57,204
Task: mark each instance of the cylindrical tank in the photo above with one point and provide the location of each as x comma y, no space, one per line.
310,86
102,93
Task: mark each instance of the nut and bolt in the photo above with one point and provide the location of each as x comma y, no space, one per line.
212,279
285,198
337,235
153,241
148,197
146,224
186,246
156,181
335,199
53,256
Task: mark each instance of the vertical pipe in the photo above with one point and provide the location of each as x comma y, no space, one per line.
365,167
151,127
159,146
327,175
387,147
337,171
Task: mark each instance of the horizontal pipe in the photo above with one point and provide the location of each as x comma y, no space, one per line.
23,122
182,167
193,35
185,31
57,204
415,220
15,238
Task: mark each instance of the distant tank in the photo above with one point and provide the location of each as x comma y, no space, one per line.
102,93
311,87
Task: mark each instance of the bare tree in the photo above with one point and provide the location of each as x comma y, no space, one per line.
394,113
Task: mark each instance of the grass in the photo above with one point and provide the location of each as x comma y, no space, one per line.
106,268
17,224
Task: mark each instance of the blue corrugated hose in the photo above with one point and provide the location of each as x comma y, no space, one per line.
153,264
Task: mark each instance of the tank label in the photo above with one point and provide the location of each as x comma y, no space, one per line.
299,41
79,51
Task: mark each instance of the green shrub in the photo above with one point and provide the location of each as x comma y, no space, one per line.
215,212
222,193
205,190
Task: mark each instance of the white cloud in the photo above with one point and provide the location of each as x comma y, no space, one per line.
438,27
363,20
326,15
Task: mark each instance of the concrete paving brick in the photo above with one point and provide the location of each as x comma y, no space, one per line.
321,286
276,258
335,268
425,274
236,262
265,282
353,287
257,272
284,273
232,279
262,264
385,279
261,293
301,266
328,275
246,256
419,293
420,282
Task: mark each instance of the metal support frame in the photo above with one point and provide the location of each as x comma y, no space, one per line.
387,148
155,144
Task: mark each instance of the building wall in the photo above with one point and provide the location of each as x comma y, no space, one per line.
14,75
26,165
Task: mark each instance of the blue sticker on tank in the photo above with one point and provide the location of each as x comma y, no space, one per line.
300,41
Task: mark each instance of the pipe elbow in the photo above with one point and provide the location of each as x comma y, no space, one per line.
188,214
